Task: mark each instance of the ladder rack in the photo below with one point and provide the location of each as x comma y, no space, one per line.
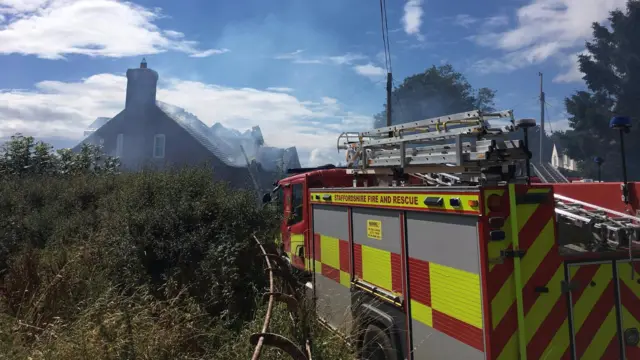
609,229
458,143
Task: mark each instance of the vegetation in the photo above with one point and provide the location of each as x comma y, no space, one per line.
152,265
438,91
611,68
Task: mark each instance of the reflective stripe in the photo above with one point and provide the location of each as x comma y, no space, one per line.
330,251
467,203
448,300
330,261
539,317
422,313
456,293
376,267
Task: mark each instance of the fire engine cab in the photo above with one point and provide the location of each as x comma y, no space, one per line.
436,245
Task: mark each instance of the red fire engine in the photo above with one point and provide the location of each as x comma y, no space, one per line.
435,245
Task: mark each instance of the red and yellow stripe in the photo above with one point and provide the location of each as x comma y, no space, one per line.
448,300
530,227
630,301
331,259
593,313
378,267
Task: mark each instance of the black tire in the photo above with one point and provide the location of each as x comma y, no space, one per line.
377,345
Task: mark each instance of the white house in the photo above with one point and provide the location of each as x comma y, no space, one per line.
559,159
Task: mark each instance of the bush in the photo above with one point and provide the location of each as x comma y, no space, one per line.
157,265
24,156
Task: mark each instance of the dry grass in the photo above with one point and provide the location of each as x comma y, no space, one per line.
136,266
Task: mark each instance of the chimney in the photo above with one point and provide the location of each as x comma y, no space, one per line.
141,87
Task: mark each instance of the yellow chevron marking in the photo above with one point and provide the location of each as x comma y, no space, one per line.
538,250
422,313
502,302
456,293
599,343
534,319
624,273
510,350
376,267
591,294
540,311
558,344
628,321
543,305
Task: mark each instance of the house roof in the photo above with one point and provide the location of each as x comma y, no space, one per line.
97,123
199,131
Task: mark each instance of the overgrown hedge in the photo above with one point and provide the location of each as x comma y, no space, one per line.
151,265
68,242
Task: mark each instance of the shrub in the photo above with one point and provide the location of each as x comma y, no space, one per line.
157,265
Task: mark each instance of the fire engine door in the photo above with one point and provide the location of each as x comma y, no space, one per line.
593,311
295,224
629,285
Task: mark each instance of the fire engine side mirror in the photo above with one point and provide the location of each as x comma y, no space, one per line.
300,251
266,198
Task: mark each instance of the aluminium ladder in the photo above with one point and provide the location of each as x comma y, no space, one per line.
460,143
610,229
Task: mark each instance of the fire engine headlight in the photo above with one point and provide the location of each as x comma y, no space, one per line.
632,337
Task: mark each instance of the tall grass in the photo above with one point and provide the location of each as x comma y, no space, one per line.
152,265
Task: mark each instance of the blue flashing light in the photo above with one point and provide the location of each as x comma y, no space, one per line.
598,160
620,122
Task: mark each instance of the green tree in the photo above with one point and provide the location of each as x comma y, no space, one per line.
22,155
611,68
435,92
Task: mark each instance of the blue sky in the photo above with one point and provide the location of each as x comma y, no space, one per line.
303,70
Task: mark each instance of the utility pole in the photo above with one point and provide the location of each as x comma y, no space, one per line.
542,134
389,82
389,85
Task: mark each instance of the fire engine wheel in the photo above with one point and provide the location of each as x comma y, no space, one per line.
377,345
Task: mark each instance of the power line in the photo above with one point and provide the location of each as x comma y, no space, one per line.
386,29
385,35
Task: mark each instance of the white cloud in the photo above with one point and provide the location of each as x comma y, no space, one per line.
64,109
495,21
483,24
546,29
51,29
347,59
355,60
572,74
209,52
464,20
371,71
412,18
289,56
297,57
280,89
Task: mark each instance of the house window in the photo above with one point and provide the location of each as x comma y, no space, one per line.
158,146
119,144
